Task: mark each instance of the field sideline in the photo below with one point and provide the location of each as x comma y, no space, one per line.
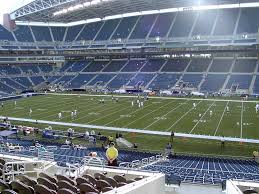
160,114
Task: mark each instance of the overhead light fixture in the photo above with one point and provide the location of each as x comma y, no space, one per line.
79,6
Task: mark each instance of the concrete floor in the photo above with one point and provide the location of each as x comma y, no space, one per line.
194,189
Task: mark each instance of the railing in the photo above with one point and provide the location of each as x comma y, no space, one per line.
137,164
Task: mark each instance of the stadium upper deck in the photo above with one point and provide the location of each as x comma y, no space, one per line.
202,27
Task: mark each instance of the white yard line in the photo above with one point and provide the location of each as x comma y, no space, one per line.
164,115
138,109
202,117
221,119
241,121
147,114
181,117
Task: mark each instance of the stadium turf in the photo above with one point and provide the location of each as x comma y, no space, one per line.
160,114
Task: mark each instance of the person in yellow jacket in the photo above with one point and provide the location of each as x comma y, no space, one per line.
112,155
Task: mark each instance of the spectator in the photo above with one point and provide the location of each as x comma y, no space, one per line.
110,139
168,149
87,135
93,133
70,132
112,155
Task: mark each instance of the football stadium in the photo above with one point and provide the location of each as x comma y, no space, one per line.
129,97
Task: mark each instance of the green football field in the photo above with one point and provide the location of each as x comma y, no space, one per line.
159,114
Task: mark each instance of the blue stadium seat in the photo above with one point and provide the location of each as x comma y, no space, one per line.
58,33
134,65
107,29
244,65
72,32
248,14
221,65
162,25
226,21
120,80
183,24
5,34
193,80
23,34
125,27
243,81
199,65
175,65
204,23
37,79
256,85
90,31
164,81
80,80
95,66
41,33
102,79
153,65
143,27
141,79
29,68
12,83
115,66
213,82
46,68
23,81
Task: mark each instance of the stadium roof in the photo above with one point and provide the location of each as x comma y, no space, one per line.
66,11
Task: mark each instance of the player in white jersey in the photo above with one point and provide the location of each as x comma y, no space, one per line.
211,113
75,113
132,103
15,103
137,101
227,108
72,115
256,108
30,112
194,105
141,104
59,115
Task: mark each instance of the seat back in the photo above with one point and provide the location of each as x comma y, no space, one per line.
65,191
106,189
21,188
100,184
42,189
52,179
64,184
26,180
112,182
61,177
81,180
3,185
86,188
47,183
119,179
90,178
99,176
8,191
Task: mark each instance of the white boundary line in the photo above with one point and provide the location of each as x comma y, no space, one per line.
202,117
221,119
156,97
186,113
129,130
241,120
